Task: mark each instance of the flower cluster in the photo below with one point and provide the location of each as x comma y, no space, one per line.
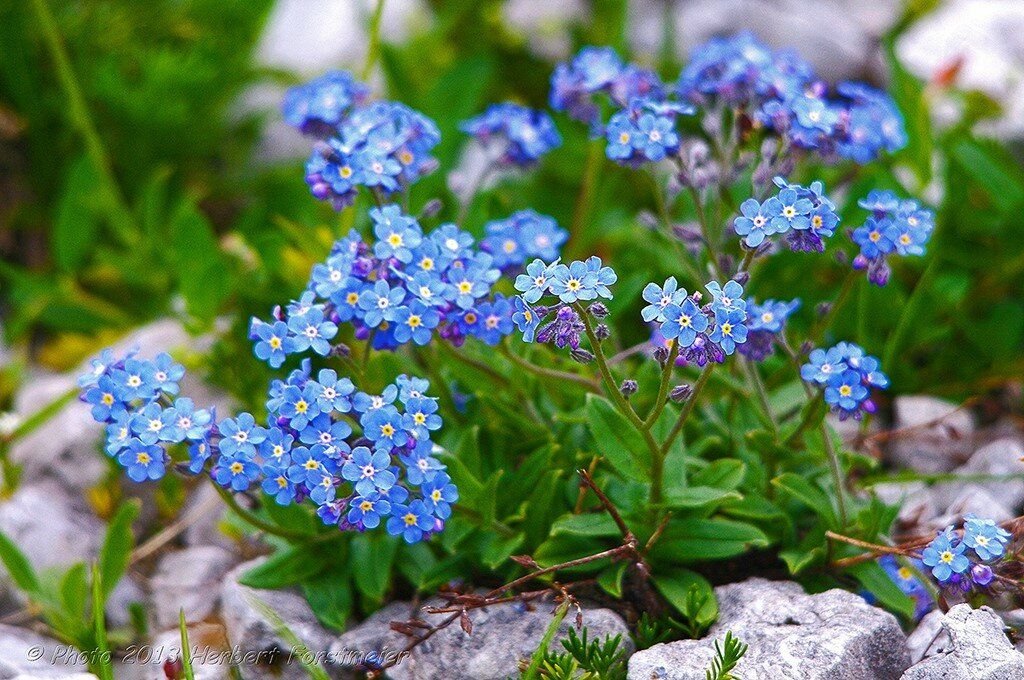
387,473
765,323
575,85
406,286
383,145
847,375
906,579
966,561
521,135
644,131
702,333
804,214
572,284
522,235
135,398
780,91
308,449
317,108
899,226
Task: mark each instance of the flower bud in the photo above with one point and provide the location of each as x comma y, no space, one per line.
602,331
661,355
647,219
742,278
581,355
823,308
598,310
628,387
982,574
340,350
680,393
432,208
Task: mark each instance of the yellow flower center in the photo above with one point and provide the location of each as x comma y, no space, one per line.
409,519
395,240
623,137
845,390
345,172
726,329
470,318
143,457
236,468
387,429
352,298
274,342
946,557
419,418
107,399
366,506
435,495
414,321
301,406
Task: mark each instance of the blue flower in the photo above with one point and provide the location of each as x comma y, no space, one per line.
369,471
142,461
397,234
845,391
411,521
421,417
330,277
415,322
622,137
273,341
134,381
300,405
468,284
236,470
987,539
524,134
277,446
683,322
164,374
539,235
536,281
103,399
307,464
240,434
365,512
333,392
438,495
188,421
945,555
420,464
428,289
322,102
525,319
771,315
729,298
755,221
606,276
277,484
380,302
311,330
411,387
324,488
729,328
573,282
383,427
330,434
823,365
98,367
118,434
875,238
659,298
495,320
363,402
791,211
153,424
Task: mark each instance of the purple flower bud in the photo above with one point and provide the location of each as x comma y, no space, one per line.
982,574
581,356
680,393
602,332
628,387
742,278
661,354
598,310
823,308
860,263
432,208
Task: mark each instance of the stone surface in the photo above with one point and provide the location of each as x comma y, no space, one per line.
206,530
502,635
18,646
978,649
972,499
791,635
210,655
250,631
188,579
929,638
1001,457
934,448
916,501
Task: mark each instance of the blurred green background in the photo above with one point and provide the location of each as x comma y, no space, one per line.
135,181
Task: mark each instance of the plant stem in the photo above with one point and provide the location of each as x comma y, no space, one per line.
121,219
837,471
687,408
373,47
549,373
892,346
666,223
585,198
255,521
662,398
474,364
762,396
103,666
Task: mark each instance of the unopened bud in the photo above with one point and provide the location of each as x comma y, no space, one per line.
742,278
647,219
823,308
661,355
628,387
602,331
598,310
340,350
680,393
581,356
432,208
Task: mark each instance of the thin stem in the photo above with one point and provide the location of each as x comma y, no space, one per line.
873,547
706,231
837,471
121,219
474,364
255,521
687,408
908,313
585,198
373,48
762,396
549,373
825,321
666,223
662,398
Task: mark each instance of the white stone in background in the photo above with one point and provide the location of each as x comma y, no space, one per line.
15,660
978,649
986,39
188,579
916,501
929,638
971,499
833,635
209,651
838,37
502,636
1001,457
206,530
544,24
249,629
933,448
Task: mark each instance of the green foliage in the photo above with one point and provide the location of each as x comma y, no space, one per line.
585,660
727,655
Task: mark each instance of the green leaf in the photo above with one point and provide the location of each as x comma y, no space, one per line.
810,552
799,488
74,591
726,473
596,524
76,225
676,584
877,582
696,540
370,561
495,550
18,566
203,277
118,545
617,440
284,568
330,597
293,517
692,497
611,578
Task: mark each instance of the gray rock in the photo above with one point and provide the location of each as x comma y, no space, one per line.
940,447
972,499
206,531
188,579
978,649
1001,457
125,593
50,527
916,501
791,635
28,654
210,655
502,636
929,638
250,630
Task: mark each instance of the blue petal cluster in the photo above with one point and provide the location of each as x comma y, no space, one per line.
384,146
707,332
523,235
572,284
804,214
951,556
896,226
905,578
521,134
765,322
644,131
576,85
847,376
